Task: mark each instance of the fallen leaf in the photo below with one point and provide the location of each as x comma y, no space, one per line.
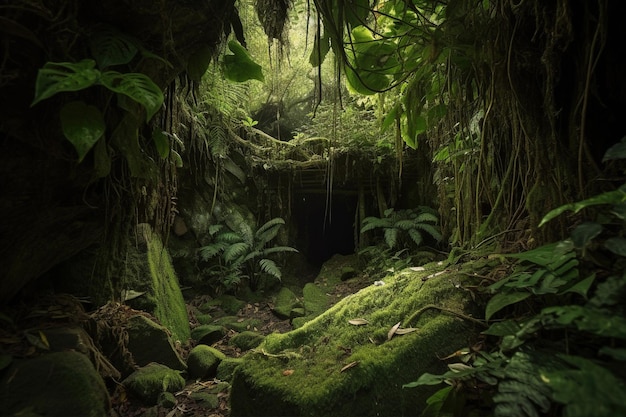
358,322
405,331
350,365
393,330
287,372
417,268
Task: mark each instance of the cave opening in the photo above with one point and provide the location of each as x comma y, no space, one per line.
325,230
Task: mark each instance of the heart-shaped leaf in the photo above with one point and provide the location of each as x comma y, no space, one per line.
82,125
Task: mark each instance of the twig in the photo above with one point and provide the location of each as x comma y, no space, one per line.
445,310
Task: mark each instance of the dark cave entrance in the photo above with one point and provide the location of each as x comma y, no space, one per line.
322,233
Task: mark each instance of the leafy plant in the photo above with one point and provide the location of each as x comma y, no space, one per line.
83,124
405,227
566,357
244,253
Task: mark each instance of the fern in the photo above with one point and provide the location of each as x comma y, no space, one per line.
243,254
405,227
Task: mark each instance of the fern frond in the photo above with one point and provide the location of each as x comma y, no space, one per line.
370,223
391,237
404,224
431,230
228,237
209,251
416,236
269,224
426,217
268,266
246,233
235,251
279,249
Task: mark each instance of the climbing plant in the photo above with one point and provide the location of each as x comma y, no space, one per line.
564,357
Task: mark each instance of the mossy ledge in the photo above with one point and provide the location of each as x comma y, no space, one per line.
333,368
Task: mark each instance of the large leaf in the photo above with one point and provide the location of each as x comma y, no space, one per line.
161,142
610,197
138,87
198,63
501,300
617,151
110,47
56,77
83,125
239,66
321,47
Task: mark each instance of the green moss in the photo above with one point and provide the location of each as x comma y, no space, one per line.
246,340
203,361
205,399
319,350
149,382
315,300
170,306
231,304
237,323
226,368
208,333
54,384
285,302
333,270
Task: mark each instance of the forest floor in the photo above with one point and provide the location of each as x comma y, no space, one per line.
192,400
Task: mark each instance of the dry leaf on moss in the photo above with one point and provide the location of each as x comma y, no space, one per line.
405,331
393,330
350,365
358,322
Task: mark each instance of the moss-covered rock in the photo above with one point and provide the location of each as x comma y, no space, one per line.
238,324
231,304
148,382
203,361
226,368
246,340
286,300
315,300
150,342
153,273
335,270
55,384
207,334
339,369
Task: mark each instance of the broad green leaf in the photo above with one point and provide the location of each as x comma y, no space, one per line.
138,87
585,233
617,151
321,47
161,142
389,119
110,47
239,66
83,125
615,353
198,63
503,328
547,255
617,245
499,301
610,197
582,287
366,82
56,77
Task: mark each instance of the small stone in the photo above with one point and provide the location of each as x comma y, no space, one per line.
203,361
148,382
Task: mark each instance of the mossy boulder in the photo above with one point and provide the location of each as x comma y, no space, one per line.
151,342
148,382
54,384
207,334
152,272
238,324
203,361
337,269
246,340
339,369
286,301
226,368
315,302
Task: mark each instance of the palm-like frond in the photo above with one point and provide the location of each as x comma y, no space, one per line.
426,217
278,249
269,230
370,223
228,237
416,236
391,237
209,251
431,230
268,266
234,251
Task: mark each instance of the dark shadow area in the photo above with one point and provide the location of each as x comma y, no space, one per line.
322,233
